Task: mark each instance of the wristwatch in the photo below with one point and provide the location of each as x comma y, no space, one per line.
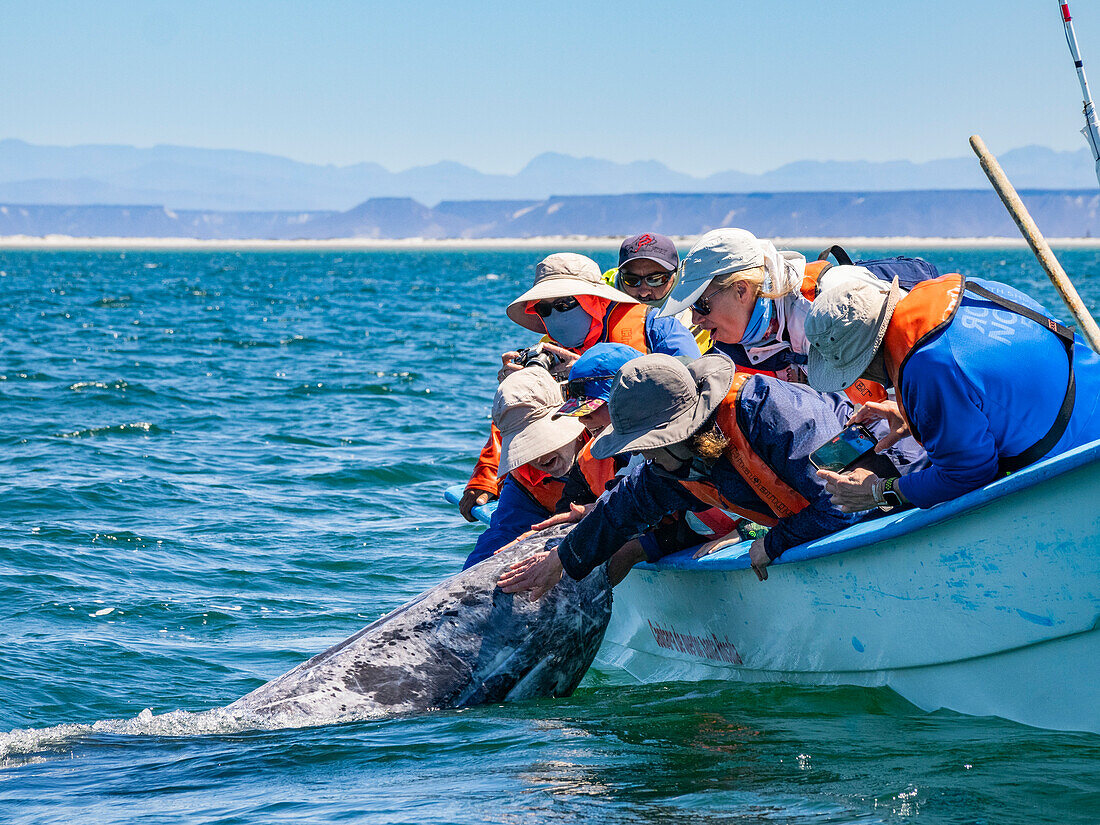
891,496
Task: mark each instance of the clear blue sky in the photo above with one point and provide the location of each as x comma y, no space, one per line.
700,86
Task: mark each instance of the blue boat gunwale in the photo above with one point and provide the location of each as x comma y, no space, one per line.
885,528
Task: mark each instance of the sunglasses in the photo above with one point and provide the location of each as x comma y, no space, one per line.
702,306
630,280
576,388
544,308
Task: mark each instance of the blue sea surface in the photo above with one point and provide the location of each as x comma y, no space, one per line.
215,464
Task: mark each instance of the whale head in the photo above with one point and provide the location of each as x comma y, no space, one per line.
464,642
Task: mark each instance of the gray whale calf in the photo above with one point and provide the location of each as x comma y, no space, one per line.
464,642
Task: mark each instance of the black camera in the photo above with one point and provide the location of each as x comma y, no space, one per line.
537,357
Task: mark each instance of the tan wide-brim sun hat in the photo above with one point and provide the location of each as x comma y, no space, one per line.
523,410
563,275
658,400
845,329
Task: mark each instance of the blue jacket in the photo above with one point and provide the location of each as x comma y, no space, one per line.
989,386
516,512
669,336
783,423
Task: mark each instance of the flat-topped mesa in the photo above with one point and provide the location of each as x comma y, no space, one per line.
464,642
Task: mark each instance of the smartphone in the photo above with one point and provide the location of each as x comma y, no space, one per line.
844,449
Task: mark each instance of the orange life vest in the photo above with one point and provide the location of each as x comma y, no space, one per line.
810,277
598,472
755,371
484,476
780,497
544,489
863,391
625,324
929,307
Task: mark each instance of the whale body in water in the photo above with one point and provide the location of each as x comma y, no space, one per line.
464,642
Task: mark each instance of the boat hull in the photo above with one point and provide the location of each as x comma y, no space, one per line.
988,605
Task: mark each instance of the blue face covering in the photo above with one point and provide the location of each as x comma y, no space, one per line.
759,321
569,328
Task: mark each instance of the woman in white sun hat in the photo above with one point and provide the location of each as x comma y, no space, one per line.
574,309
754,299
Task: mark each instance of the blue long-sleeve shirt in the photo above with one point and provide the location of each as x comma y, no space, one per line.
516,512
669,336
783,423
989,386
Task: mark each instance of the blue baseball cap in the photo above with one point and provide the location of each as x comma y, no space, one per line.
591,377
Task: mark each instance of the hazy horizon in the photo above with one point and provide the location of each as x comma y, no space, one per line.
547,152
181,177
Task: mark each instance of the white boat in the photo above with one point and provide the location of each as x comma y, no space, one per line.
987,605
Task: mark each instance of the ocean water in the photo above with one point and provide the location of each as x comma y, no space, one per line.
215,464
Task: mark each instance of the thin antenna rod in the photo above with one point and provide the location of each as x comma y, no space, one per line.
1092,128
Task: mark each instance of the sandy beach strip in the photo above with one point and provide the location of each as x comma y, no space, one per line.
544,242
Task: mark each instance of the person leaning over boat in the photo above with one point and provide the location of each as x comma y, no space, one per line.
587,393
647,269
714,437
753,299
985,379
572,305
545,463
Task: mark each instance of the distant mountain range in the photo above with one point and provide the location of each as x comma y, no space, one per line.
182,178
941,213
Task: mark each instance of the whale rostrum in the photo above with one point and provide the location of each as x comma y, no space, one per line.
461,643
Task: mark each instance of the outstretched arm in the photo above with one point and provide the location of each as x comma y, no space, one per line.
635,506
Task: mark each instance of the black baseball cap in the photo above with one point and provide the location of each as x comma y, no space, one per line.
650,247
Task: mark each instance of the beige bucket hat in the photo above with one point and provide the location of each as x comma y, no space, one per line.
563,275
844,329
658,400
523,410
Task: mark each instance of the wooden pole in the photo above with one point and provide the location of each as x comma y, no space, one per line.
1085,322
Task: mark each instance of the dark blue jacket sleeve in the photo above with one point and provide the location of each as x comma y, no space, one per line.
945,410
784,423
637,504
516,512
669,336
